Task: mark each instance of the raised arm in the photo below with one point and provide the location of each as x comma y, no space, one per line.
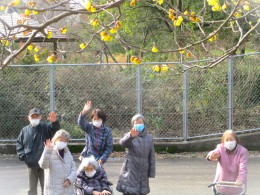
214,155
108,149
20,147
83,124
44,161
54,124
126,141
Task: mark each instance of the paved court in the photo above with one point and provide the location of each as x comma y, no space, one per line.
174,176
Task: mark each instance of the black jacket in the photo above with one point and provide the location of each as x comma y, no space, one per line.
30,142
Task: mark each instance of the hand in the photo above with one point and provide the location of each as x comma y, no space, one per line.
96,193
134,133
48,143
66,183
52,117
100,161
214,156
86,108
239,183
105,192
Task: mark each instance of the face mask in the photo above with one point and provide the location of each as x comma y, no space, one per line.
139,127
35,122
61,145
97,123
90,174
230,145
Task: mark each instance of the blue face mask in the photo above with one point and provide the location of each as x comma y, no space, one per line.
139,127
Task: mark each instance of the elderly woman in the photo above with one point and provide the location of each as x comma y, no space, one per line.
59,166
92,178
139,163
232,162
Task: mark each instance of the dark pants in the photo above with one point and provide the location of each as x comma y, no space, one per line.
35,174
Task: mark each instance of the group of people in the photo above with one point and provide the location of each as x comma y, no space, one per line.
43,147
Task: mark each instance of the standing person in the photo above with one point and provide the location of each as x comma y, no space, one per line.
139,164
232,162
59,166
30,145
99,141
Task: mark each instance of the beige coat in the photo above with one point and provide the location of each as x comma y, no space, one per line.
57,170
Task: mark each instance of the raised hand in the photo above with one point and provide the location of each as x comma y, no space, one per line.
134,133
52,117
48,143
86,107
214,156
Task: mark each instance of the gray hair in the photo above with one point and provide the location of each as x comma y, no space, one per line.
136,117
61,133
89,161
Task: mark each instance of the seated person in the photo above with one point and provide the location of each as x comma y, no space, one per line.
92,178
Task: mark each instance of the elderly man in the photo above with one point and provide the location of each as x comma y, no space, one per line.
30,145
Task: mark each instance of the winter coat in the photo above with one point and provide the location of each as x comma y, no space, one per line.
99,142
138,166
29,144
57,170
231,166
96,183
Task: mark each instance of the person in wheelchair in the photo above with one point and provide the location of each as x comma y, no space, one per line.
92,178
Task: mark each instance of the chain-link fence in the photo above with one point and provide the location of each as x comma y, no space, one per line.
177,104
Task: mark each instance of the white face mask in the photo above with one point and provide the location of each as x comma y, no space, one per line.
61,145
35,122
97,123
230,145
90,174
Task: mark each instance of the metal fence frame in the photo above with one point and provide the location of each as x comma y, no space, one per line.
139,89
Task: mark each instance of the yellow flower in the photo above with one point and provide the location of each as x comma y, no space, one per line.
88,6
224,6
92,9
182,51
155,49
14,3
213,38
35,12
156,68
36,49
160,2
51,58
49,35
246,7
30,47
36,58
82,45
237,14
132,3
136,60
63,30
113,30
32,3
216,8
164,68
178,21
193,14
186,13
27,12
212,2
118,24
94,22
5,42
107,38
2,8
188,54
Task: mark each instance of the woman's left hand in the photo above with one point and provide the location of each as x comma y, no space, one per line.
66,183
105,192
239,183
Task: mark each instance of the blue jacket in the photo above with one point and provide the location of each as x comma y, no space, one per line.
99,142
30,142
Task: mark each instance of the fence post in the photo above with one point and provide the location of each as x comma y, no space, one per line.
230,92
185,107
139,89
52,89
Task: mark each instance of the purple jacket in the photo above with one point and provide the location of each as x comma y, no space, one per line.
232,166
